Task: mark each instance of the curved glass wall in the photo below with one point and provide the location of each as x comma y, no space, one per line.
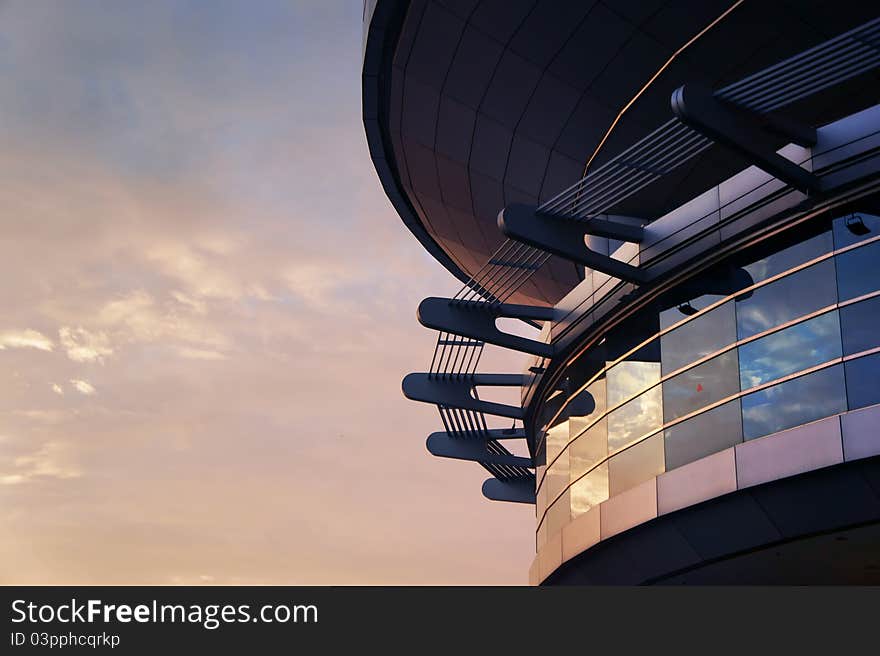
757,345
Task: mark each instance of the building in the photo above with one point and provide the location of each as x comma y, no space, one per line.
683,198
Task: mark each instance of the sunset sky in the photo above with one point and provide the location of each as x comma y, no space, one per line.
208,306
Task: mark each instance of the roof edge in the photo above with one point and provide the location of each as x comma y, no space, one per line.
382,24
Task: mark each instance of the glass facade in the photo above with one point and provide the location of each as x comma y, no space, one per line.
792,349
794,402
767,341
786,299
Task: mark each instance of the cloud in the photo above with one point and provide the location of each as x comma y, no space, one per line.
25,339
82,386
200,354
51,460
314,282
57,389
84,346
137,317
203,273
196,305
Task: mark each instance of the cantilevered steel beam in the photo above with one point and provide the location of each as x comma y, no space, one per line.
477,321
443,445
565,237
458,392
746,132
490,434
612,226
516,490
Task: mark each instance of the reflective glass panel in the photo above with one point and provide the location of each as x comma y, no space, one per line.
636,465
541,535
632,332
632,420
550,410
587,365
558,515
858,271
698,337
702,290
628,378
863,381
786,299
541,491
696,388
682,309
860,325
588,449
703,435
855,227
557,438
589,491
790,257
557,477
586,406
796,348
794,402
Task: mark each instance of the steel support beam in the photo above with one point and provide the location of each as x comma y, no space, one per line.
458,392
490,434
443,445
477,321
516,490
611,226
754,136
566,238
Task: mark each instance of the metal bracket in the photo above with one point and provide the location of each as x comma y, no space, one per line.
565,237
516,490
477,321
747,132
457,392
444,445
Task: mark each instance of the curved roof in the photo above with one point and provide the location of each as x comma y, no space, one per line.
470,105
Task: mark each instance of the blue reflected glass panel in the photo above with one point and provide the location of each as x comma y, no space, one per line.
863,381
790,257
860,325
786,299
794,402
858,271
796,348
855,227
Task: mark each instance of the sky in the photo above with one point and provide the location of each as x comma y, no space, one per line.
208,305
